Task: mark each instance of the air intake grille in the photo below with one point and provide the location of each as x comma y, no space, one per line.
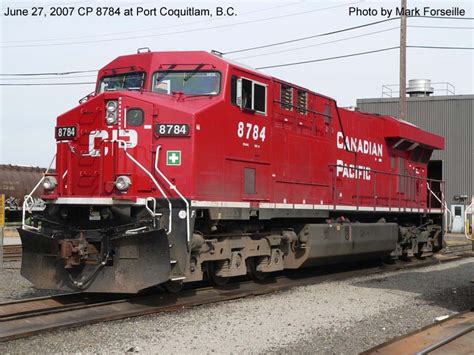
286,97
302,102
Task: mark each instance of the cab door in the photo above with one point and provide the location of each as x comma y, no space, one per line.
248,130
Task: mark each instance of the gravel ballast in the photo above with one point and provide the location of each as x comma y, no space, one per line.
339,317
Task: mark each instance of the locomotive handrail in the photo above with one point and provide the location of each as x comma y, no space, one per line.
173,187
29,197
122,144
302,109
444,204
469,210
375,172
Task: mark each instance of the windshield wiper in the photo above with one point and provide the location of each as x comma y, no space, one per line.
196,70
197,95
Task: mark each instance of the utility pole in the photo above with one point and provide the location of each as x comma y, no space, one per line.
402,114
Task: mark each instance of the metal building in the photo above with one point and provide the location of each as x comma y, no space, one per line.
451,116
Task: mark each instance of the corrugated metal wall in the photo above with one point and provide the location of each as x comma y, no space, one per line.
449,116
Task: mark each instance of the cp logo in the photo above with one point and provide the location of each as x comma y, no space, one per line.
130,136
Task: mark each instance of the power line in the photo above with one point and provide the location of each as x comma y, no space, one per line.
358,54
58,74
53,78
329,58
444,27
176,32
343,30
443,17
312,36
316,45
47,84
145,29
441,47
343,39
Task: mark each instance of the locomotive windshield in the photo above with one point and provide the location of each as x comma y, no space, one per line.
188,82
126,81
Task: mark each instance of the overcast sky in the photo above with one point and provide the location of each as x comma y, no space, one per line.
42,44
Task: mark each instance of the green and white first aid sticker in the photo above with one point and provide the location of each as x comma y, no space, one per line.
173,157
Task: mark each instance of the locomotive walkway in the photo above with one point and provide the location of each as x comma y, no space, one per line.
27,317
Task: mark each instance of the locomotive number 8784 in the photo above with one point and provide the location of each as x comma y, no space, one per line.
184,165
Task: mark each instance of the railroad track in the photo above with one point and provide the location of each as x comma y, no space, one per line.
27,317
11,253
454,335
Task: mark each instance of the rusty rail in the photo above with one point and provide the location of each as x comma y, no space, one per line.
33,316
454,335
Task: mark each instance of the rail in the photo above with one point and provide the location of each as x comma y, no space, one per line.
28,201
401,191
28,317
392,90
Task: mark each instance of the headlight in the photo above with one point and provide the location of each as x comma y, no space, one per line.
123,183
111,118
111,112
112,106
50,183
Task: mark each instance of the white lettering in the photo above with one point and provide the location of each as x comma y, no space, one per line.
340,140
357,145
352,171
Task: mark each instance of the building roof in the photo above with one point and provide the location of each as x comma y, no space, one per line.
419,98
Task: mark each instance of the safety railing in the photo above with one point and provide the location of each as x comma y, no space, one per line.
174,188
469,211
28,202
123,145
387,189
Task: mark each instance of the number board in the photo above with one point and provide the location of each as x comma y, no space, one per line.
2,210
172,129
65,133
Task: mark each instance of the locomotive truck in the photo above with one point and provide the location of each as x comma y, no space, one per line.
184,166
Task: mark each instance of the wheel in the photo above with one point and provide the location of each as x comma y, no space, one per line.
252,270
215,280
173,286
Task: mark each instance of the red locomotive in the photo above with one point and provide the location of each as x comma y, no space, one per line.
185,165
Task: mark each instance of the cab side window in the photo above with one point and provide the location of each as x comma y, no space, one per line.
249,95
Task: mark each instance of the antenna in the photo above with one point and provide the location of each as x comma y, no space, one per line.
219,54
143,50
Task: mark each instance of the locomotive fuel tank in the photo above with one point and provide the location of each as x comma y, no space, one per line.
335,242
